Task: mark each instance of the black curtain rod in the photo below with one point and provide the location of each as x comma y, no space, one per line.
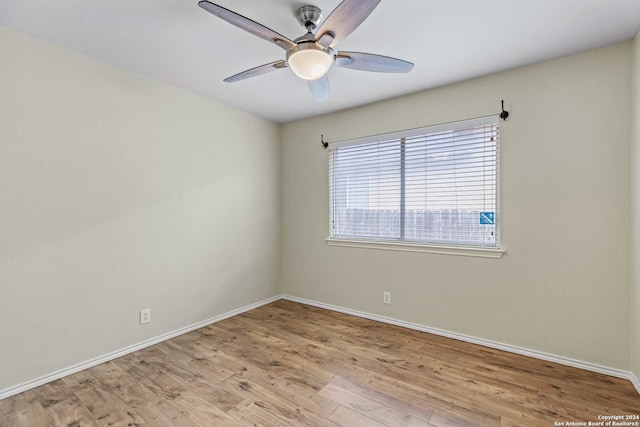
503,115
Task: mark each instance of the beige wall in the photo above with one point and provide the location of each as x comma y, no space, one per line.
119,193
635,210
563,286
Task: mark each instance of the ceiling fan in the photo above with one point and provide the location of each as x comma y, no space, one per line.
310,56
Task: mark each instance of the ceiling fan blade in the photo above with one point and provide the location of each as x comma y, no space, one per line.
256,71
320,88
370,62
247,24
343,20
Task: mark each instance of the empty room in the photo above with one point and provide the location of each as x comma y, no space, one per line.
328,213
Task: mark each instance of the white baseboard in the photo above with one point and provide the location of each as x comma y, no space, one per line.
130,349
634,381
460,337
619,373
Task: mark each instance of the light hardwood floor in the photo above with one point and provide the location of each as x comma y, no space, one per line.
291,364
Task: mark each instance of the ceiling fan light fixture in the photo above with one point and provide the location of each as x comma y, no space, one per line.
310,61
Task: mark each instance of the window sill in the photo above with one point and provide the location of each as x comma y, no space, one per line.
417,247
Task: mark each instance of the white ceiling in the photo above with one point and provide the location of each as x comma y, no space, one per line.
177,42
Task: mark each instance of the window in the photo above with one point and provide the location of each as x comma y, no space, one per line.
431,186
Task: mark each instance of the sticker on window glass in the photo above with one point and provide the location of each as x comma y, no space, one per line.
487,218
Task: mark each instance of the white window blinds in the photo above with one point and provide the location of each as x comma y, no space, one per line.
437,185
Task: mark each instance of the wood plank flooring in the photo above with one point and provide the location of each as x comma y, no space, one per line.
289,364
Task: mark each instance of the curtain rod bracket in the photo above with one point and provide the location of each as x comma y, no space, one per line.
323,142
504,113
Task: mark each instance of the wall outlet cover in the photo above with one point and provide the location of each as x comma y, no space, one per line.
145,316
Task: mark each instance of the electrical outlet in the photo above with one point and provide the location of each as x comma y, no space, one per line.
145,316
386,297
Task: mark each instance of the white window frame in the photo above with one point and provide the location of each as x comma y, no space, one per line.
402,245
